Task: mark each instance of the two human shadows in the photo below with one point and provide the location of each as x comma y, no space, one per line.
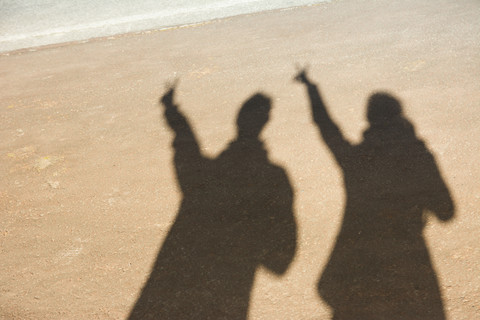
236,215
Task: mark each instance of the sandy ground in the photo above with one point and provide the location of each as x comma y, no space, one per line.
88,186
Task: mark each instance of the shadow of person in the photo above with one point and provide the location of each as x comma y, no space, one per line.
380,266
235,216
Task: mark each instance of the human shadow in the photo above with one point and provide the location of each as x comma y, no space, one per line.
235,216
380,267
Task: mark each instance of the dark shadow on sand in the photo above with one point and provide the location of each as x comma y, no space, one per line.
235,216
380,267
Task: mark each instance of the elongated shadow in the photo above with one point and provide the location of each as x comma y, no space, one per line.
235,216
380,267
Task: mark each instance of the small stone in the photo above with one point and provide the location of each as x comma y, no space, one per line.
53,184
43,163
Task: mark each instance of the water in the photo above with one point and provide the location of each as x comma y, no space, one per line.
30,23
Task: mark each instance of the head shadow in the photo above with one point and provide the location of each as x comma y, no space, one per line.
253,116
383,108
